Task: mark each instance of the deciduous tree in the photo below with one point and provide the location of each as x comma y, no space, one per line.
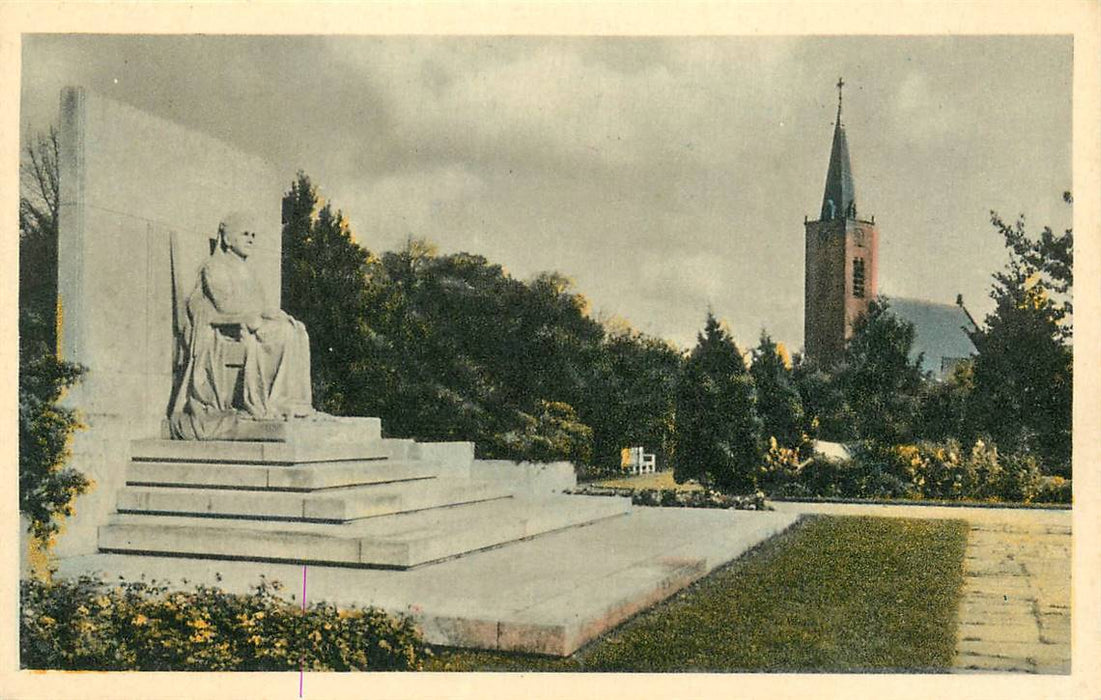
1023,374
47,484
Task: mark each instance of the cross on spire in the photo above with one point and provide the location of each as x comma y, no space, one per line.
840,85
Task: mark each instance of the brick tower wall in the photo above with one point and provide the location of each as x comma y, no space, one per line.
830,306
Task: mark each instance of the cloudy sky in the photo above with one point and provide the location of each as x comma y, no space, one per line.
663,175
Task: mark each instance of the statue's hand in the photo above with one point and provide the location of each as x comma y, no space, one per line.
274,314
253,321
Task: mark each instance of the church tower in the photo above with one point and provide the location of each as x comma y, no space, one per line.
841,258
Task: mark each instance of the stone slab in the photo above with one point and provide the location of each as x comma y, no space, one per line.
453,458
550,594
330,505
240,452
402,540
297,478
530,477
323,430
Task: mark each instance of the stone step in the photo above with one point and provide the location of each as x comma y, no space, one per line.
274,453
318,430
321,475
331,505
397,541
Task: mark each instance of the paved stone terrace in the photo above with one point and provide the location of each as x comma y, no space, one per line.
548,594
1015,612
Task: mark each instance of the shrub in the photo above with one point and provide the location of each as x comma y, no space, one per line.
782,465
596,472
47,486
554,434
1020,479
925,470
1054,489
84,624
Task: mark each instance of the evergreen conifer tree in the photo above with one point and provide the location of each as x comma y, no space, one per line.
325,286
881,384
778,403
718,432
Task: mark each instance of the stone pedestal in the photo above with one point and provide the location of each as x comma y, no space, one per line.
334,491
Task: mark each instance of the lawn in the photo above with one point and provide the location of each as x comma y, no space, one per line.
657,480
832,594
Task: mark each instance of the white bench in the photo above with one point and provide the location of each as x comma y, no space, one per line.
635,460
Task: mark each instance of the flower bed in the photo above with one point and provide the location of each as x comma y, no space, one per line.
678,498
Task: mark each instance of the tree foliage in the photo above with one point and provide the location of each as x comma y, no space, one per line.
718,432
1023,374
827,412
879,380
39,206
47,485
324,282
451,347
636,404
778,402
944,405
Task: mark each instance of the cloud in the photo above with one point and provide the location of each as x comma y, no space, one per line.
661,173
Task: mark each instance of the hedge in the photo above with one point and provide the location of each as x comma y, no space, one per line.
85,624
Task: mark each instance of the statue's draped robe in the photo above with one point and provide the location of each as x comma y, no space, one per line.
276,374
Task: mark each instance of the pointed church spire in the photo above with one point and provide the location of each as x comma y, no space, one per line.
839,200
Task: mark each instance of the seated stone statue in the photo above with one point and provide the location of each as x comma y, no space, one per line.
226,311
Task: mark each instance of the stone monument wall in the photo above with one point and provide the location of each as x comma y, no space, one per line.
130,182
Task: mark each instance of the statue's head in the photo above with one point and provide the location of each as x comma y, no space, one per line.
237,233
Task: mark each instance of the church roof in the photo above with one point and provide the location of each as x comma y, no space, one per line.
839,199
940,331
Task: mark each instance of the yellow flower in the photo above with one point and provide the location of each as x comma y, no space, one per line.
140,620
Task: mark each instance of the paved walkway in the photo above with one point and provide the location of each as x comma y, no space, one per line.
1015,612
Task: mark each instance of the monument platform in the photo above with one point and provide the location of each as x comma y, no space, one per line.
483,553
549,595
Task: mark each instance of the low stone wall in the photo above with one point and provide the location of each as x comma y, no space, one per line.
453,458
534,478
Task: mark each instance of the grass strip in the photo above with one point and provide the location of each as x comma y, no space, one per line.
833,594
657,480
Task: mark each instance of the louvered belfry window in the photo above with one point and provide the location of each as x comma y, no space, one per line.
858,278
